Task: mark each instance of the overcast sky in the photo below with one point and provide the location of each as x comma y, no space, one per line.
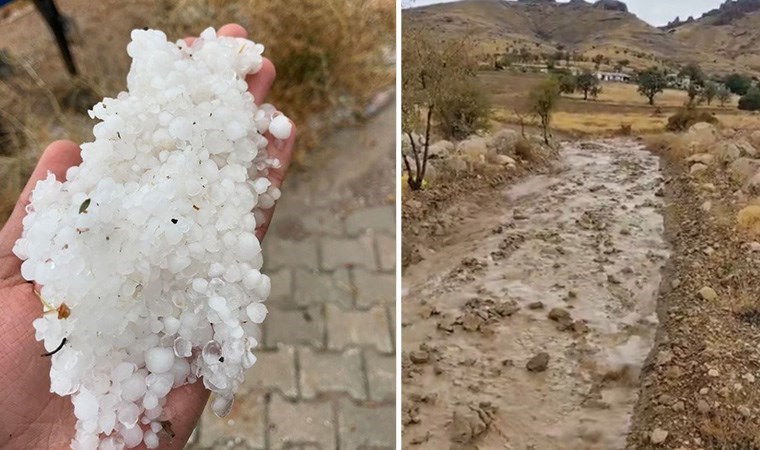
656,12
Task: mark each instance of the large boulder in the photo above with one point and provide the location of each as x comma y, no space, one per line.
473,147
441,149
744,169
727,152
746,148
754,138
703,158
503,141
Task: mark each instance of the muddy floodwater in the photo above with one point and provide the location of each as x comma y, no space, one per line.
562,276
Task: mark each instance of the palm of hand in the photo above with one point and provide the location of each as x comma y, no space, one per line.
30,416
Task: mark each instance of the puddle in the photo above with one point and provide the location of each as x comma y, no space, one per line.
589,240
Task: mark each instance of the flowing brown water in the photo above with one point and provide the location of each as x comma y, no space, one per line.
588,239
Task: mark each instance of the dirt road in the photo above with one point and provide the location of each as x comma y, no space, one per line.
527,327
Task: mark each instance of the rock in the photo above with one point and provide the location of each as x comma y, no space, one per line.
728,152
536,305
754,138
746,149
441,149
713,373
743,169
472,322
419,356
538,363
744,411
501,160
708,293
749,378
703,407
754,246
611,5
658,436
468,423
704,158
474,147
697,168
503,142
559,315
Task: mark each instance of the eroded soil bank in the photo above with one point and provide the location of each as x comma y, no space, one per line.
527,324
699,386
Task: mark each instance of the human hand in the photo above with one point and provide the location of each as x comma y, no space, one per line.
31,417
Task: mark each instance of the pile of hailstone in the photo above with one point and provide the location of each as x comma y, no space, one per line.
146,256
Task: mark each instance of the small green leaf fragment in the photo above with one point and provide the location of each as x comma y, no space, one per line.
83,207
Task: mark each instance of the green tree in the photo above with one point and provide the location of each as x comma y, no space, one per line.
595,91
694,73
651,82
431,74
568,83
587,81
738,84
710,91
724,95
543,99
751,100
598,60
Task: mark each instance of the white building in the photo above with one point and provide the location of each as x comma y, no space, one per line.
618,77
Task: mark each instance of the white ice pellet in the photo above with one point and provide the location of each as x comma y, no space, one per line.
150,241
280,127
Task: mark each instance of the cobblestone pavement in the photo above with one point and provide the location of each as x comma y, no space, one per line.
325,377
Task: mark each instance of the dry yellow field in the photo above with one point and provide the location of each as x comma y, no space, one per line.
619,104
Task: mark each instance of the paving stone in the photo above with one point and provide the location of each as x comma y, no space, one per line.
282,285
374,288
289,253
290,327
245,421
323,372
358,328
386,252
362,426
323,222
338,253
301,423
274,370
378,218
381,373
317,287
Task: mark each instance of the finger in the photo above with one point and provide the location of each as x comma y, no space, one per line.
232,30
260,82
282,150
56,159
184,406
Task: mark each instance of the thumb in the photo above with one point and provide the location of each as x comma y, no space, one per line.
56,159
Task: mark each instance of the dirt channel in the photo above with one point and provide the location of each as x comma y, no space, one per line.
527,327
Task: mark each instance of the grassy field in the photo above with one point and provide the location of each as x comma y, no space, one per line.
619,104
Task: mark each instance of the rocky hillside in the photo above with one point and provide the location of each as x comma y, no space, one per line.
604,27
732,30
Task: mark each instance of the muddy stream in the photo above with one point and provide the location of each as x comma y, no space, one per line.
568,265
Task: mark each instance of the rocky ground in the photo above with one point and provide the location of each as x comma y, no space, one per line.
700,388
610,304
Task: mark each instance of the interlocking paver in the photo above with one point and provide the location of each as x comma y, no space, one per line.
374,288
364,426
358,328
299,326
348,252
386,252
274,370
381,374
300,423
378,218
323,372
313,286
325,375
